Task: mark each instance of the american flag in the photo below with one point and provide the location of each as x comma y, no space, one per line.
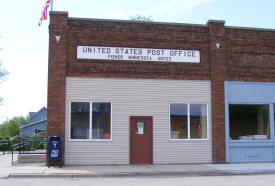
44,11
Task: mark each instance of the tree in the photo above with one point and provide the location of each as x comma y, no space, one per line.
141,18
20,120
3,130
3,73
12,127
3,76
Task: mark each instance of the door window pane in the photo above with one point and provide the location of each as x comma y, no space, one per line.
198,121
249,122
101,120
140,128
178,121
80,120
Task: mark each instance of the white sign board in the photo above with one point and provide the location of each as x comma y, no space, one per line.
138,54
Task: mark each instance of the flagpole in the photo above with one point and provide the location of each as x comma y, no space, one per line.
51,5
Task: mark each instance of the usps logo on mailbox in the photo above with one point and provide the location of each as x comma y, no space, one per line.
54,153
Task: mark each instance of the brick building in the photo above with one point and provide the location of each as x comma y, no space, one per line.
123,92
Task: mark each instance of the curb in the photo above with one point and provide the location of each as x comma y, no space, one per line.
137,174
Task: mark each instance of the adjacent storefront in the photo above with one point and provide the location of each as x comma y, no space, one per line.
250,121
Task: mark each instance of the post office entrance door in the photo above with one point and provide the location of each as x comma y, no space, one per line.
141,139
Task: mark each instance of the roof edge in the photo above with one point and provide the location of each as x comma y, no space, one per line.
59,12
32,124
129,21
250,28
38,112
157,23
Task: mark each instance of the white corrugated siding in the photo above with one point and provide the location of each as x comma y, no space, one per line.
137,97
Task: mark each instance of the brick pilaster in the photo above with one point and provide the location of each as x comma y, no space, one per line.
218,72
57,76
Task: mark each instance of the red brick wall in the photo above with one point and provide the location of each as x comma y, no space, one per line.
251,55
57,77
218,72
139,35
243,55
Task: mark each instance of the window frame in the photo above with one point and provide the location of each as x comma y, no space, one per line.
271,138
188,122
90,120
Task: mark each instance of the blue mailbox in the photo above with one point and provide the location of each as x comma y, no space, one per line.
54,153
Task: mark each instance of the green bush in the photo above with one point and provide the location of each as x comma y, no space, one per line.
42,134
35,143
39,146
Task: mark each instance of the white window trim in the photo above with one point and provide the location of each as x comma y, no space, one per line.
90,121
188,122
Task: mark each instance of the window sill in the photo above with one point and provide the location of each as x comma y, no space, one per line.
255,143
188,139
92,140
250,141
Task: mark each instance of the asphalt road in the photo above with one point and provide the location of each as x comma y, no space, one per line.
242,180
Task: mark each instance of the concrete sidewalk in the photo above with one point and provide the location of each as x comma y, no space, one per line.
40,170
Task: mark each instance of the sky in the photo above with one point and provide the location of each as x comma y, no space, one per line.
24,45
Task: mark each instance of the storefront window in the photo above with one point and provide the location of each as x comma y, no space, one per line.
198,121
101,120
188,126
178,121
249,122
80,120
